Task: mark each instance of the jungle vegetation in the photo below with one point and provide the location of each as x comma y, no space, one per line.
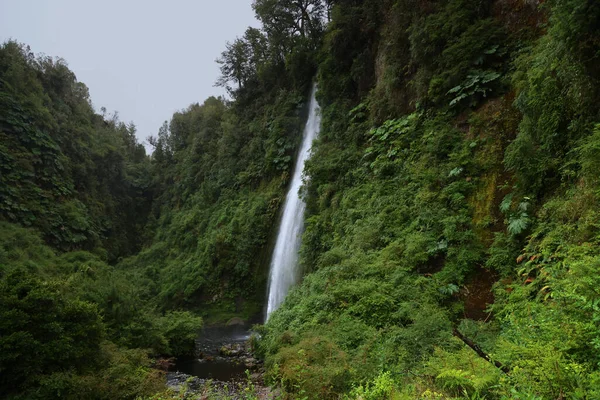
452,198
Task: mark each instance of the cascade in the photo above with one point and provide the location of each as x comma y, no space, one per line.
284,271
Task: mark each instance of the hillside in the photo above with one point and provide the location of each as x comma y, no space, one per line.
452,195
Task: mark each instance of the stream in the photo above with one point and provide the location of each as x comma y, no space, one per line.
222,354
219,368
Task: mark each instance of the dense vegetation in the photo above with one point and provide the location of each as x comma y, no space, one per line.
78,177
452,201
74,195
459,155
79,196
221,170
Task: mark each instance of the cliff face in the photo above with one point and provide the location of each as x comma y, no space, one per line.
453,187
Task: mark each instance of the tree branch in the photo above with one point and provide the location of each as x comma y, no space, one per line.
480,352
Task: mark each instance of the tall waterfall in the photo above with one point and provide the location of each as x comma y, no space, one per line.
284,262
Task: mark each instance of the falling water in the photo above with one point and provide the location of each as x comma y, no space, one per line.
284,263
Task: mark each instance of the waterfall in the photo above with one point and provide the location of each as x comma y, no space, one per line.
284,262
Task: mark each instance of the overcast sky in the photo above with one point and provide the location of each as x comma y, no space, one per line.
142,58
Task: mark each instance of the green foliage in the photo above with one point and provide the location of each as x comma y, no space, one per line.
59,315
203,204
120,373
557,89
589,151
458,49
381,388
406,200
221,171
368,295
518,219
463,373
42,332
290,25
474,85
181,330
65,170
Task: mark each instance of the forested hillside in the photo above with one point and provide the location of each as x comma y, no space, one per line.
78,177
451,243
453,195
75,194
108,256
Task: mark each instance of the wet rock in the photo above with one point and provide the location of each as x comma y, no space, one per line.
208,388
232,350
256,376
235,321
250,362
223,354
178,381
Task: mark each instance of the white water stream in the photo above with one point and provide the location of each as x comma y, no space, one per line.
284,271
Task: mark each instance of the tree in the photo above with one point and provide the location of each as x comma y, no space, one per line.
258,48
287,21
161,144
234,64
241,60
294,17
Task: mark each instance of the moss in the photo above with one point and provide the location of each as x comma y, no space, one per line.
484,203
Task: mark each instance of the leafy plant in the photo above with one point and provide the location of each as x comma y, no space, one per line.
474,87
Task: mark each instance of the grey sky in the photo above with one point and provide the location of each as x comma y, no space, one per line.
142,58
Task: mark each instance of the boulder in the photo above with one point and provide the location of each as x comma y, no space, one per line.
231,350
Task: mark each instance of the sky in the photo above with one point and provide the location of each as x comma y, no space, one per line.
144,59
